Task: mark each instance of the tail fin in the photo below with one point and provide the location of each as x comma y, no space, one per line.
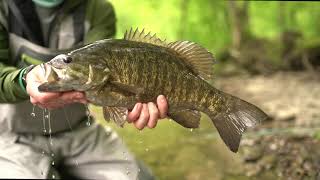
234,119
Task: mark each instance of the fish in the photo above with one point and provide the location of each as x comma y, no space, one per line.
118,73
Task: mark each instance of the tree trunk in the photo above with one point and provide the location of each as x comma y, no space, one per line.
183,18
239,23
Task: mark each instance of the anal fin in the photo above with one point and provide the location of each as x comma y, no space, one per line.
187,118
117,114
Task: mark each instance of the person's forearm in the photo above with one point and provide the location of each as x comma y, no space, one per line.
10,89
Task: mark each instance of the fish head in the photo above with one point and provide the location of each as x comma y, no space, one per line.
73,71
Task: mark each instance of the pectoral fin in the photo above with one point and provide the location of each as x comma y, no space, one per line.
117,114
187,118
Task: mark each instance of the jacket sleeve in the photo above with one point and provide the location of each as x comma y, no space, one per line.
102,20
10,90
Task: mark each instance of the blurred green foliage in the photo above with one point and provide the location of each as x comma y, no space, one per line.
173,152
207,22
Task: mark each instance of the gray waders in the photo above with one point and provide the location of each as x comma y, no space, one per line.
85,152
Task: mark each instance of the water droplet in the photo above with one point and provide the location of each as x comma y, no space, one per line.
170,120
53,176
191,129
33,114
52,155
88,123
147,149
52,163
44,131
46,116
139,170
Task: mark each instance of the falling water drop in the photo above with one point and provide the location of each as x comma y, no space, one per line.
191,130
33,114
88,123
53,176
52,163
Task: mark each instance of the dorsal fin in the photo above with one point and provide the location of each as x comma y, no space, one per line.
195,56
136,35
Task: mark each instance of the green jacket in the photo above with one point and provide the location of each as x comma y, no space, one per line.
99,13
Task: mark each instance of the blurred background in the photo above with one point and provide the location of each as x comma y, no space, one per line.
268,53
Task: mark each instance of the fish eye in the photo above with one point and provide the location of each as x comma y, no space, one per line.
67,59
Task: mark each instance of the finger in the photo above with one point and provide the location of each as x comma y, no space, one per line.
32,89
143,118
72,96
135,113
162,106
154,115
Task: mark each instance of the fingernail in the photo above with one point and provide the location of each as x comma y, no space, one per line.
162,99
79,95
138,105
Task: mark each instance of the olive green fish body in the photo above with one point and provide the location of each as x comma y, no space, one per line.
116,74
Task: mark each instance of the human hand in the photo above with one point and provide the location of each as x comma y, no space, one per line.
49,100
148,114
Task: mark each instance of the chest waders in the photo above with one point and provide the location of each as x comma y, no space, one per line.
27,45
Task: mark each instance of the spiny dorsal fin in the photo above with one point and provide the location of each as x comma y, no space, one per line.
136,35
195,56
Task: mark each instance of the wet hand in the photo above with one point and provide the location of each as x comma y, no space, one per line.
148,114
49,100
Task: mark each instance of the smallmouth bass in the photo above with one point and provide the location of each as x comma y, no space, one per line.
118,73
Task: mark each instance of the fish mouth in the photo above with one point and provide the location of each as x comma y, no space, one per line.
51,73
53,79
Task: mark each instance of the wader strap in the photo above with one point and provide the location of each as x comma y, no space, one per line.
21,11
78,22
